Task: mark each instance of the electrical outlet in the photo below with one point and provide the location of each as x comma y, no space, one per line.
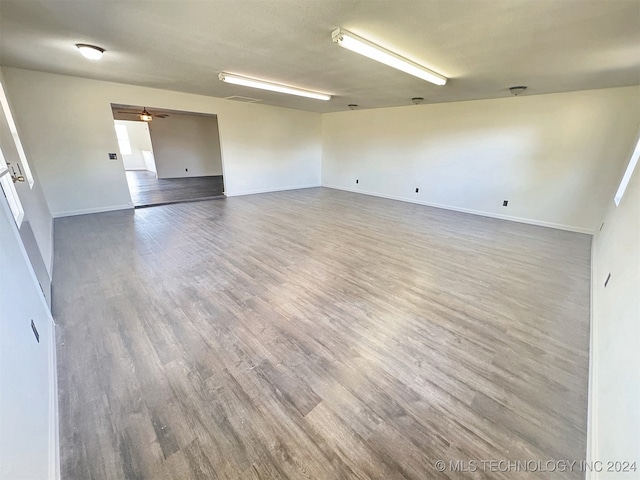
113,156
417,190
505,203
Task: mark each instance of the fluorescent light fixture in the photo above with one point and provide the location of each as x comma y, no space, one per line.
90,51
364,47
274,87
633,161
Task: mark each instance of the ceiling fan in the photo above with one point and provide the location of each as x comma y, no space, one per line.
145,115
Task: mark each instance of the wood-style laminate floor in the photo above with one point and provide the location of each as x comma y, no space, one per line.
318,334
147,190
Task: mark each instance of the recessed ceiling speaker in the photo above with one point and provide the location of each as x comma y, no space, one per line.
519,90
417,100
352,106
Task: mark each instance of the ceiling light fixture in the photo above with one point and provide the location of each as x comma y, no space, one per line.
517,90
273,87
369,49
417,100
352,106
145,116
90,51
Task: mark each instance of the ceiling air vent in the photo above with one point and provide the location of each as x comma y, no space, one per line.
238,98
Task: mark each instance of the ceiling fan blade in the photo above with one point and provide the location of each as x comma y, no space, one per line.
139,112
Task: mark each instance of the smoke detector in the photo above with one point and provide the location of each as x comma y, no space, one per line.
417,100
352,106
517,90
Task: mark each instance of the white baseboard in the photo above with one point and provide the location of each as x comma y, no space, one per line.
592,397
86,211
52,250
54,421
270,190
539,223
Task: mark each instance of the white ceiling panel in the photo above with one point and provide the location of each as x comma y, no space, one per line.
482,46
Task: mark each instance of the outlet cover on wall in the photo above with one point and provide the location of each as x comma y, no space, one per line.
113,156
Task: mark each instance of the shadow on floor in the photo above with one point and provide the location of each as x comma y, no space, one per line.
147,190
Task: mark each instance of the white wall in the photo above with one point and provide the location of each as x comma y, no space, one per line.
614,423
140,141
33,199
28,393
68,129
554,157
149,161
186,146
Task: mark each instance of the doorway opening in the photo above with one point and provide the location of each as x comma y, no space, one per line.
169,156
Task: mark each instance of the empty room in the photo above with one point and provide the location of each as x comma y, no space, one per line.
288,239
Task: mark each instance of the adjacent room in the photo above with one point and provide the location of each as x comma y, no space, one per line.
386,240
177,159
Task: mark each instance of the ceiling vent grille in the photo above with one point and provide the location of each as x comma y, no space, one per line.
238,98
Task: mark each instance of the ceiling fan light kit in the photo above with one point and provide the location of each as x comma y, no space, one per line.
145,116
90,52
357,44
271,86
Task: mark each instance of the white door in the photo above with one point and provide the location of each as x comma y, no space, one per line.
28,402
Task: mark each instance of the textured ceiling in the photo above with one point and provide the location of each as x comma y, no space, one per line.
483,46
